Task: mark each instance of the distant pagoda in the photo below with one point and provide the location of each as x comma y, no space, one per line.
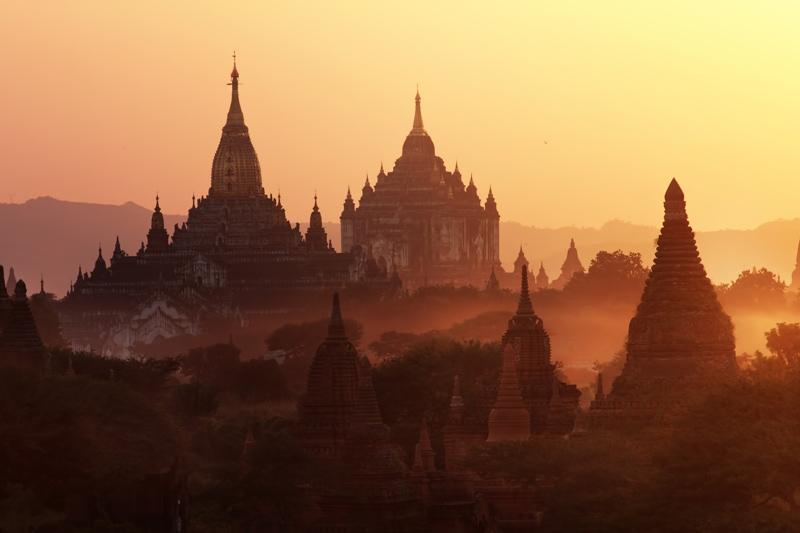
20,342
420,218
571,266
795,286
537,373
236,254
327,411
680,339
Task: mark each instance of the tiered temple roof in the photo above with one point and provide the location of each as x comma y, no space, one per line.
680,336
531,341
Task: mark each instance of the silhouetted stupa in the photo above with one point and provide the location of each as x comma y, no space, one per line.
680,338
531,342
328,408
572,265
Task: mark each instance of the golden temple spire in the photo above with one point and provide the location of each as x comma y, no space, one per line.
417,113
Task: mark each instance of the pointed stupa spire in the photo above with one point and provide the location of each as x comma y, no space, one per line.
336,325
525,306
235,115
418,126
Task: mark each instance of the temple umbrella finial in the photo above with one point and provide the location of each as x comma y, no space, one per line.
418,113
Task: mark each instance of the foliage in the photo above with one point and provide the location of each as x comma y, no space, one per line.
219,366
755,289
612,276
783,341
420,382
299,342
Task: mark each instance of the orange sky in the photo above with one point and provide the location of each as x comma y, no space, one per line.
106,103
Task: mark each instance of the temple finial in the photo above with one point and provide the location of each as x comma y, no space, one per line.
234,72
336,325
418,113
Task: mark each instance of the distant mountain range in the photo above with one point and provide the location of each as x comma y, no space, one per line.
51,237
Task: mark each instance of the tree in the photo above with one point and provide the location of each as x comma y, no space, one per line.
299,343
756,289
783,341
612,276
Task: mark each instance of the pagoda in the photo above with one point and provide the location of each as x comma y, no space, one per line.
328,408
422,219
795,286
537,373
237,253
680,338
571,266
20,343
542,281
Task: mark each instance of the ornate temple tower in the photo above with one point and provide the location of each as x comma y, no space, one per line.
235,169
316,237
542,281
572,264
421,218
531,343
333,384
521,262
347,220
509,419
157,237
680,337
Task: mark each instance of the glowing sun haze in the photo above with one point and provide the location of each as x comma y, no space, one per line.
575,112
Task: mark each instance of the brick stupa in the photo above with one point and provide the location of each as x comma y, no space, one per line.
327,411
680,339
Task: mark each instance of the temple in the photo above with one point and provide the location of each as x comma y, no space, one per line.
340,423
538,380
236,253
572,265
20,342
680,338
795,286
420,218
542,280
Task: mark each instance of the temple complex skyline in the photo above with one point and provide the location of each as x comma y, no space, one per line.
579,102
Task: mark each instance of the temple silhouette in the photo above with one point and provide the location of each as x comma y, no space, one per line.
422,221
680,339
236,252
